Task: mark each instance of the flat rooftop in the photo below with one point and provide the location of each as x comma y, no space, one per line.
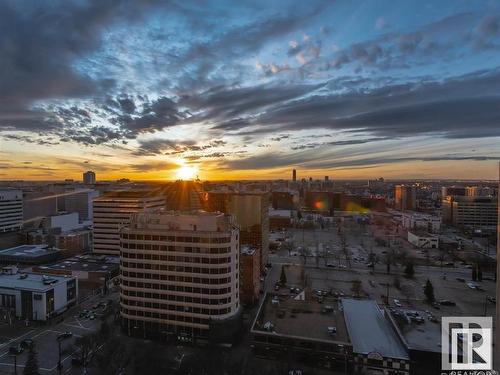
422,335
87,263
31,281
422,233
29,251
370,331
280,213
130,194
306,319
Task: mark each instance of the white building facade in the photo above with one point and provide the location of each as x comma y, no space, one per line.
31,296
423,240
419,221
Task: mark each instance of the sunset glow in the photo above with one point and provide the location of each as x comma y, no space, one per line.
187,172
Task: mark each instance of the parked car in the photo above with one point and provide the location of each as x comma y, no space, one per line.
461,279
16,349
65,335
331,265
446,302
27,343
397,303
76,359
491,299
472,285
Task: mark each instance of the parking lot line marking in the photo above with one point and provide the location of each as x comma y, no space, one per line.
82,327
78,321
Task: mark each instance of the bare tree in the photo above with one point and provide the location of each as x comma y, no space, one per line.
408,291
356,287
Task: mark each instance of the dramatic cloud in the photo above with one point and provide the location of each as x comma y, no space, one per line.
448,108
238,82
174,147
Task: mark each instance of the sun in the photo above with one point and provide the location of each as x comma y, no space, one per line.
187,172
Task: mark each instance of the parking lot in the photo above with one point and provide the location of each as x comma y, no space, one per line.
326,268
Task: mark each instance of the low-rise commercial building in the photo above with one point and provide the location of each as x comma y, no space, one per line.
423,240
33,296
279,219
420,221
29,254
322,201
284,200
87,268
359,203
421,333
63,232
376,346
303,329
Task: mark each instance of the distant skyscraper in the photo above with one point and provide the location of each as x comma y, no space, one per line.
89,177
112,211
11,210
294,175
405,197
180,275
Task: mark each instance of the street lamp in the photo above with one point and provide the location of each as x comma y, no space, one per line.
60,339
15,363
59,363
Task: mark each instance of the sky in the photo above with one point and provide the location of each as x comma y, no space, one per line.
249,89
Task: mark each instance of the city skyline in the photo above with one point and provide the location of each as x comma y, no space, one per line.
156,90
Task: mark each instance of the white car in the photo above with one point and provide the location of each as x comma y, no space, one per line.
472,285
397,303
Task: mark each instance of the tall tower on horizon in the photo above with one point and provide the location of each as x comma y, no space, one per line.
294,175
89,177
